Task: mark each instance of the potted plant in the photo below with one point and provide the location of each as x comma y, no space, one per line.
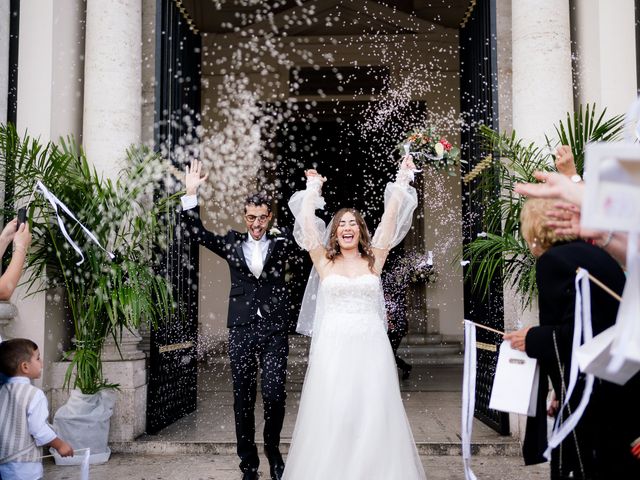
500,247
104,296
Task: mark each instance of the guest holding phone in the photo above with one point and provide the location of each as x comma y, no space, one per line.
20,236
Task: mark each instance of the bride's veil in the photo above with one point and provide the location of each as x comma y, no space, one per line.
308,320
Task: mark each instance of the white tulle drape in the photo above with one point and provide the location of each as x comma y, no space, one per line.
310,232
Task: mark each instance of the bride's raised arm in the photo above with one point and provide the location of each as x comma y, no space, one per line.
400,200
308,229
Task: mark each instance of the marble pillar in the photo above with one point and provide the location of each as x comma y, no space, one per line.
113,89
542,79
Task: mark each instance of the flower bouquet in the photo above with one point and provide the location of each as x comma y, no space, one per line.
429,148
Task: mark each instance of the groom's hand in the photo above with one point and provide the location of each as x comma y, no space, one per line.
192,179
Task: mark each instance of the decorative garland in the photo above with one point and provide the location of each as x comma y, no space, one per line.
477,170
186,16
467,14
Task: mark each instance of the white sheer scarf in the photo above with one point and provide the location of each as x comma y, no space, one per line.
310,232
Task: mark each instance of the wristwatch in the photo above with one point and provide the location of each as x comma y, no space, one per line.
576,178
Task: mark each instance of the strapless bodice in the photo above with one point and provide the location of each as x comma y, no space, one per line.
352,295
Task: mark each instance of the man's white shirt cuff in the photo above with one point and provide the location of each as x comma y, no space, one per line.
189,201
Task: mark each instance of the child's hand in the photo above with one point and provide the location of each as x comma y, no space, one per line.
62,447
65,449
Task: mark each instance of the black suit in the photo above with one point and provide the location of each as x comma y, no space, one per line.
253,339
610,423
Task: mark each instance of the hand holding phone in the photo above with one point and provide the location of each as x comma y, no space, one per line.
22,216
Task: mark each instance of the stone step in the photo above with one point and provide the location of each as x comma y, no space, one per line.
426,353
148,446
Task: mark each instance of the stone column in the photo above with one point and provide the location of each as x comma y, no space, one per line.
5,20
126,365
542,94
111,124
605,47
542,81
7,313
112,93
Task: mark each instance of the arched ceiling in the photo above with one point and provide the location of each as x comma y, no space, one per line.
329,17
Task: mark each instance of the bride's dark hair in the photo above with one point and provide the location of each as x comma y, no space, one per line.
364,243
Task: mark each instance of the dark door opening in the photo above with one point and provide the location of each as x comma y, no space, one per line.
333,138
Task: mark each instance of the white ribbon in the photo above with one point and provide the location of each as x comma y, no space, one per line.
581,324
407,151
633,117
623,344
55,202
468,396
84,466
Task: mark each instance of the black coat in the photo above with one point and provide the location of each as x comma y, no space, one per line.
248,293
555,278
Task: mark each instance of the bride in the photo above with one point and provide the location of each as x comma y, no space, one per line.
351,422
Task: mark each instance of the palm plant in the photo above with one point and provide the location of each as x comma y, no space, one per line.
104,295
514,161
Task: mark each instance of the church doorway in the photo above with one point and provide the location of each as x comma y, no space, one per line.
358,163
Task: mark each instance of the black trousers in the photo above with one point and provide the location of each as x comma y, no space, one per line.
252,347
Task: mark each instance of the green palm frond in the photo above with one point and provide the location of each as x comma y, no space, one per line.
104,296
584,127
502,250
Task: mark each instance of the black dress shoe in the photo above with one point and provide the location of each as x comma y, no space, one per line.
406,371
250,475
276,469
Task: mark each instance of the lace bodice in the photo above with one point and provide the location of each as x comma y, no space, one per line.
352,295
351,307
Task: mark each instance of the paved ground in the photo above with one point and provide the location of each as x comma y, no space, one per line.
202,444
432,398
224,467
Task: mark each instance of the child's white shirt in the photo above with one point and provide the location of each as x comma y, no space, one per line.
42,433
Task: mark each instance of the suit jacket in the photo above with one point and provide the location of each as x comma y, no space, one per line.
248,293
555,278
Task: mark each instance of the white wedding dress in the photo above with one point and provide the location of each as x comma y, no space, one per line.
351,422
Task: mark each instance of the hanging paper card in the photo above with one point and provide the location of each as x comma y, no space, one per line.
515,385
594,357
614,355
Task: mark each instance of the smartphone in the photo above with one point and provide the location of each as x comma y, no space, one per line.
22,216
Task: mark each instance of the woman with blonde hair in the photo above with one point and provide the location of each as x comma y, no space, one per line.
599,445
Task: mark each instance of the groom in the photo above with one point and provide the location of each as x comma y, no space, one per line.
256,319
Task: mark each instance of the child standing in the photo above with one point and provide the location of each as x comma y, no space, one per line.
23,409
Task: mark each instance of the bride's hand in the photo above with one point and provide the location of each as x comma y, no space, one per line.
407,163
311,173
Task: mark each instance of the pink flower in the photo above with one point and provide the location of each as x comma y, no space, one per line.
447,146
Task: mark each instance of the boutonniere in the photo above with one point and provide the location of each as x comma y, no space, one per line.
275,231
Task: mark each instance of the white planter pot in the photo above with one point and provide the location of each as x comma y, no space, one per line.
83,422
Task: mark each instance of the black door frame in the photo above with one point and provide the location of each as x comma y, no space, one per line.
479,105
173,363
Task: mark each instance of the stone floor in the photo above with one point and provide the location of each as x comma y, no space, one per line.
225,467
202,444
431,396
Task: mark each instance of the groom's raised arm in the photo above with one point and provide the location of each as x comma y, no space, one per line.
190,214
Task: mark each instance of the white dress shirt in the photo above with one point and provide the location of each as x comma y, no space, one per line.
42,433
191,201
250,244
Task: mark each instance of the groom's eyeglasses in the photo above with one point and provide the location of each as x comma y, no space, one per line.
253,218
